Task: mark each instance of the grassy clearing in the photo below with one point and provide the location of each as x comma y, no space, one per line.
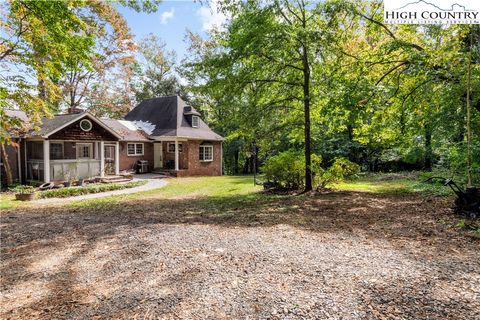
225,192
218,188
394,183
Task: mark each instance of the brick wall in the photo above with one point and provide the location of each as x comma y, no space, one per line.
127,162
170,156
199,168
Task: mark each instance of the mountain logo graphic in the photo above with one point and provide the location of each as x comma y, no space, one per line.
452,7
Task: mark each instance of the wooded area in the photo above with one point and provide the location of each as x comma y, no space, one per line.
328,80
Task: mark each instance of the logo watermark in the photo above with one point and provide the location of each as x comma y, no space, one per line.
431,11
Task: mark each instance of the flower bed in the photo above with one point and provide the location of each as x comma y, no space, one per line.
96,188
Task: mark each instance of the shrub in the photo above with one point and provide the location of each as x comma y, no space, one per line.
287,169
341,169
75,191
23,189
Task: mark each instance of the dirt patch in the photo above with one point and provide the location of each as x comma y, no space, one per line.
337,255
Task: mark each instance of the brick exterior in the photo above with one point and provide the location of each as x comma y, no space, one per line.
199,168
128,162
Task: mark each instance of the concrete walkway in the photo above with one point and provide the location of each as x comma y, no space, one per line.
155,181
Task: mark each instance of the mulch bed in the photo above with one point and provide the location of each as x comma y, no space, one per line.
335,255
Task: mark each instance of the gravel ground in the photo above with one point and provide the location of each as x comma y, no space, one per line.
328,256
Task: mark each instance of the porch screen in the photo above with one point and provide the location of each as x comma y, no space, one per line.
56,151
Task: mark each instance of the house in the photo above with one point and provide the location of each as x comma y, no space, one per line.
166,132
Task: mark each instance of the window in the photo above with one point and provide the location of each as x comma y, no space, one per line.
171,147
56,150
84,150
135,149
206,153
86,125
195,121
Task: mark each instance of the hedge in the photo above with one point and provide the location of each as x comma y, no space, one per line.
95,188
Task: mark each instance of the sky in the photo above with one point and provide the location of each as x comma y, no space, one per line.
172,20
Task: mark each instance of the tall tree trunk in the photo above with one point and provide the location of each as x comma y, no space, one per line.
469,124
235,161
428,159
6,165
306,110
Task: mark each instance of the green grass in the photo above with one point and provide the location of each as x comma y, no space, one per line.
216,188
384,183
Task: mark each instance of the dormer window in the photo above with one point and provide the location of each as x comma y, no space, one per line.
195,121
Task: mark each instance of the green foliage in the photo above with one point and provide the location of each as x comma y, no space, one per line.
340,170
287,169
95,188
21,189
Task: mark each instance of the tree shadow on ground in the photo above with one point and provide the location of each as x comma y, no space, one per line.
404,221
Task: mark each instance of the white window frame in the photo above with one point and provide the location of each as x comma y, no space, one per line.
90,148
180,147
197,118
86,121
200,153
135,154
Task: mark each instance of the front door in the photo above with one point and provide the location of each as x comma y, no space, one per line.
109,160
158,155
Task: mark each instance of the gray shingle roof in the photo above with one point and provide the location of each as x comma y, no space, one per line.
126,129
164,117
48,125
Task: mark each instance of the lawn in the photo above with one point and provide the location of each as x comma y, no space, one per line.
221,247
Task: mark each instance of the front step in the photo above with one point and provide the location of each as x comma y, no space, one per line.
116,179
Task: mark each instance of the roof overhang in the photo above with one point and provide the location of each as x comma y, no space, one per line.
81,116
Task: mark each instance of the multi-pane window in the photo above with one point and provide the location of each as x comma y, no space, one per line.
84,150
171,147
195,121
56,150
206,153
135,149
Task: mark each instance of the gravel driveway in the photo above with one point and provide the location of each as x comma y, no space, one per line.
329,256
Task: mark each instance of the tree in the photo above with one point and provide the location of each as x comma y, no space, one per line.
154,71
40,41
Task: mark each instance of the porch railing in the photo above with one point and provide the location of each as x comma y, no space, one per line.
64,169
75,169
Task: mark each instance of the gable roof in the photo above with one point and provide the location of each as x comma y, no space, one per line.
167,117
51,125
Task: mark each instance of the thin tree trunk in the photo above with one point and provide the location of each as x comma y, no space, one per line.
469,124
306,110
235,162
428,160
6,165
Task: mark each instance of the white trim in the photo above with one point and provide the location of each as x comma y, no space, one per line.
86,121
177,167
46,160
205,146
19,160
117,158
102,159
136,154
89,144
198,121
82,115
